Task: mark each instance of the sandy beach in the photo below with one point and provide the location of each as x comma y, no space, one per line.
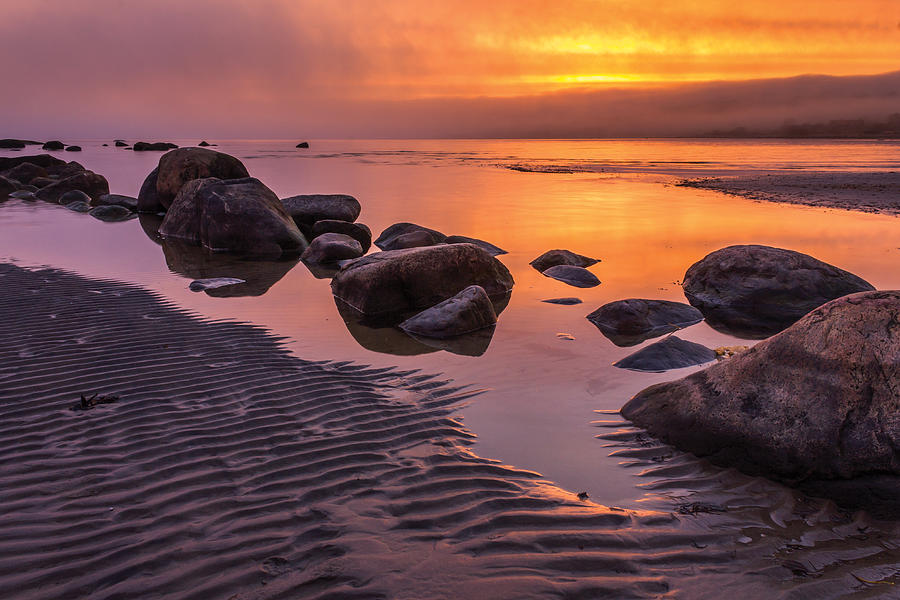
874,192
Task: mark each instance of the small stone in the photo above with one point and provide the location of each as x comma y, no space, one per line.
574,276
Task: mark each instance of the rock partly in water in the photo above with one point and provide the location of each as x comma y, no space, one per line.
23,195
755,291
666,354
13,144
111,213
148,200
357,231
398,281
306,209
79,206
120,144
201,285
468,311
818,402
73,148
74,196
25,172
7,186
180,166
632,321
53,145
574,276
330,248
153,146
129,202
90,183
552,258
303,145
486,246
408,235
42,160
563,301
204,144
233,215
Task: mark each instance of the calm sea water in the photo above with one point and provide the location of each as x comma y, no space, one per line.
611,199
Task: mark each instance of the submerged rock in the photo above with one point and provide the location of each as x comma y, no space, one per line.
128,202
574,276
357,231
306,209
754,291
818,401
53,145
398,281
111,213
200,285
563,301
233,215
178,167
552,258
74,196
408,235
632,321
467,311
666,354
330,248
486,246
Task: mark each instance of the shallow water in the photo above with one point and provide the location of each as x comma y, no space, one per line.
542,390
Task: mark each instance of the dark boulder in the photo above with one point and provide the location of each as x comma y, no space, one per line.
204,144
53,145
9,144
408,235
630,322
42,160
818,401
552,258
90,183
178,167
755,291
40,182
128,202
330,248
153,146
563,301
233,215
148,200
120,144
574,276
111,213
398,281
74,196
468,311
7,187
25,172
303,145
73,148
486,246
23,195
357,231
306,209
669,353
65,170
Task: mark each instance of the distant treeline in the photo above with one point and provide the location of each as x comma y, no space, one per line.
838,128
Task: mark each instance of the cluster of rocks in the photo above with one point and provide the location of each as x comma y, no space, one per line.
14,144
816,404
47,178
568,267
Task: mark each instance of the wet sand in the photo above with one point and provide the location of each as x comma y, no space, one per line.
874,192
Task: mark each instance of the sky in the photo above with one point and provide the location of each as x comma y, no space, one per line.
411,68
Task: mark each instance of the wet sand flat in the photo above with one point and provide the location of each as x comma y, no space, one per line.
876,192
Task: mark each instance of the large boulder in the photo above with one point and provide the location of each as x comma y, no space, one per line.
7,187
820,400
90,183
398,281
25,172
408,235
755,291
330,248
148,200
74,196
487,246
12,144
574,276
632,321
232,215
357,231
306,209
671,352
552,258
467,311
153,146
129,202
41,160
111,213
180,166
53,145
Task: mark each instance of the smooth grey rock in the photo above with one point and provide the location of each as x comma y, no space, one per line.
669,353
563,301
754,291
233,215
469,310
200,285
632,321
111,213
574,276
306,209
357,231
129,202
23,195
552,258
74,196
79,206
487,246
408,235
816,405
330,248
